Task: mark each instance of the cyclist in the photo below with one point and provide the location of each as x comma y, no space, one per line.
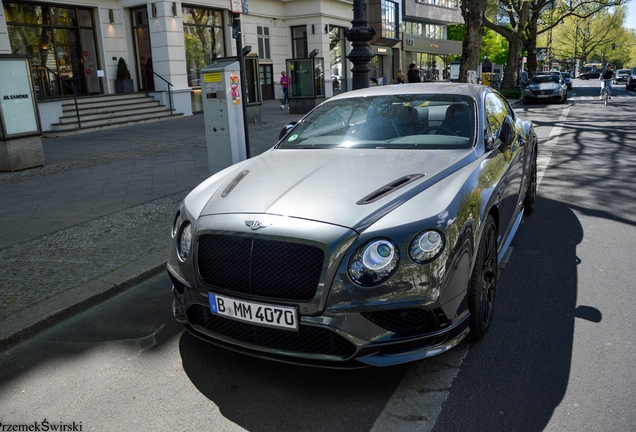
606,79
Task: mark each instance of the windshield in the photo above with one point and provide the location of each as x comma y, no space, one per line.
566,74
541,79
408,121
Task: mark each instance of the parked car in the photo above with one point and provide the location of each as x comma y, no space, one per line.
631,80
622,75
593,74
371,234
567,78
547,87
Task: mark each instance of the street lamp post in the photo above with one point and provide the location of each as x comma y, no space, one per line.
359,35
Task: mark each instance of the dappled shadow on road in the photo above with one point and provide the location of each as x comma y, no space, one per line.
140,320
262,395
515,378
596,155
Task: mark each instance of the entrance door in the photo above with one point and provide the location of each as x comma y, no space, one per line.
266,78
143,51
89,52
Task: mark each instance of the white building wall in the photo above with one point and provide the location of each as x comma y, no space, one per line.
5,46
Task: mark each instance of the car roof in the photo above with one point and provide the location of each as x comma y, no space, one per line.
472,90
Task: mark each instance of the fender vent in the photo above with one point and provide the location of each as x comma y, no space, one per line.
389,188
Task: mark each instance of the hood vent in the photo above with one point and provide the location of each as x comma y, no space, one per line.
389,188
235,182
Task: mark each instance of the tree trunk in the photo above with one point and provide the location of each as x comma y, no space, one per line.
474,13
531,46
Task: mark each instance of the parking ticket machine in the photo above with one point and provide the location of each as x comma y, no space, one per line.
223,114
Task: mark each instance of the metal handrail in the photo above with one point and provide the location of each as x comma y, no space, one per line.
166,81
59,78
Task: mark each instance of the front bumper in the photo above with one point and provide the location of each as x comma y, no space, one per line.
317,343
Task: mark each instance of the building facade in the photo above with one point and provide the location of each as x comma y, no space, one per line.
78,44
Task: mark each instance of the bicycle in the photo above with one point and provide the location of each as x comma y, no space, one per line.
606,91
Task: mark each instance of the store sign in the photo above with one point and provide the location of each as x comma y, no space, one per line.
19,113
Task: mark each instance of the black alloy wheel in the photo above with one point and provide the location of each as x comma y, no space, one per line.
483,283
531,194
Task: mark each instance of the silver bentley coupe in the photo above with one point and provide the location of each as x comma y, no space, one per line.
369,235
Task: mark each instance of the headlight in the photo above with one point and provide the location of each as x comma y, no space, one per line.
527,90
175,224
184,241
374,262
426,246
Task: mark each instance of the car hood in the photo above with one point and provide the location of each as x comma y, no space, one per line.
545,86
326,185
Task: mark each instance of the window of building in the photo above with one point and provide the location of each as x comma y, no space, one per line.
443,3
390,19
299,42
60,43
203,39
263,42
337,52
431,31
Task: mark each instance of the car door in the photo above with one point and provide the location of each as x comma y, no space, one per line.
508,189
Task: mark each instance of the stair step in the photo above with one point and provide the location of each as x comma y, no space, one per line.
95,128
92,100
111,120
108,112
109,106
104,113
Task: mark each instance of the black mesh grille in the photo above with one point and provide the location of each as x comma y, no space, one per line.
407,321
308,340
262,267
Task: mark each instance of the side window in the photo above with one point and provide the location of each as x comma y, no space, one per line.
496,112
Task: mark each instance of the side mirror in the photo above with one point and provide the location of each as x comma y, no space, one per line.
507,133
285,129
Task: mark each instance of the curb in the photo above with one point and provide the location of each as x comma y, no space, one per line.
82,298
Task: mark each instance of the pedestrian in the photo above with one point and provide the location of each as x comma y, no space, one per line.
401,79
414,73
284,84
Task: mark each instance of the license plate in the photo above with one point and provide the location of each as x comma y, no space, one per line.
543,95
283,317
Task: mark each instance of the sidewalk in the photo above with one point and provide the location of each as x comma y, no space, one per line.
94,220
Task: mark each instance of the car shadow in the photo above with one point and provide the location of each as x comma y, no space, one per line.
262,395
516,377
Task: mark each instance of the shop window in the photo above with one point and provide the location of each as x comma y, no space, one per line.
203,39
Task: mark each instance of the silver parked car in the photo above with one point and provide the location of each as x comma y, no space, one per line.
369,235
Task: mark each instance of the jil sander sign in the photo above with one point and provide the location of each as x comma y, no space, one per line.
11,97
19,111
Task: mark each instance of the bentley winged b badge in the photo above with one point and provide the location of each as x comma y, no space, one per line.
257,224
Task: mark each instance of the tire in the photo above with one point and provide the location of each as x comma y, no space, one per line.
531,194
483,282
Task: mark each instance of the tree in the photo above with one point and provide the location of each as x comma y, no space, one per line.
521,21
549,14
511,21
473,12
593,38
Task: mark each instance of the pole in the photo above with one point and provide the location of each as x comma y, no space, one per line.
359,35
236,24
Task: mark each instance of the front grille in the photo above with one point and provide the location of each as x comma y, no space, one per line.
404,321
269,268
308,340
